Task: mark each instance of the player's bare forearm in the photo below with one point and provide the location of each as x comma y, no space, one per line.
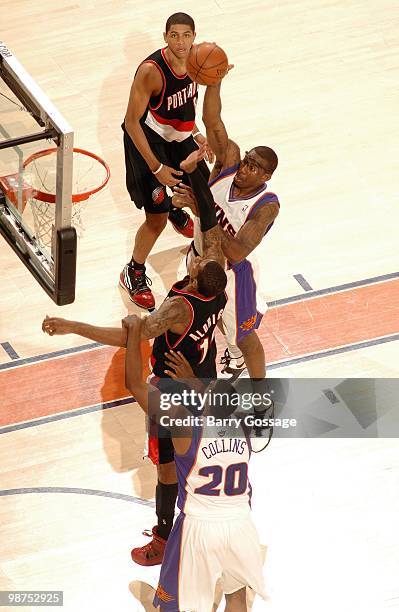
173,311
236,248
137,135
217,138
212,244
133,364
113,336
216,132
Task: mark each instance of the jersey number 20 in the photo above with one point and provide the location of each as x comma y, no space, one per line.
235,479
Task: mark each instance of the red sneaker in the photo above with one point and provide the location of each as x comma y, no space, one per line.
182,222
136,284
152,553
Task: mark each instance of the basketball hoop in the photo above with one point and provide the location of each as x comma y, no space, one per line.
90,175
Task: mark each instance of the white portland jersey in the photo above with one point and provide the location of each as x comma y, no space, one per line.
233,212
213,477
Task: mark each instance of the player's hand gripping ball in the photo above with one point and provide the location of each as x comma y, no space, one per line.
207,64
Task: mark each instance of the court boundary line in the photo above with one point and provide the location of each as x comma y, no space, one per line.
345,348
336,289
72,350
78,491
273,304
59,416
126,400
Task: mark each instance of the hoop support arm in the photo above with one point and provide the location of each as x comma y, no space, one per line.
14,142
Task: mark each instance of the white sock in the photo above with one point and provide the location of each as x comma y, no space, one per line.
236,354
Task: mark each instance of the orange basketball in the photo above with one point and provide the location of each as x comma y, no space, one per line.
207,63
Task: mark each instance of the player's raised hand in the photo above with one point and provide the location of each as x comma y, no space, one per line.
132,321
55,326
209,154
190,163
183,197
169,176
179,366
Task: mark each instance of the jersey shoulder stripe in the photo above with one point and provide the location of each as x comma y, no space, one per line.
266,198
224,174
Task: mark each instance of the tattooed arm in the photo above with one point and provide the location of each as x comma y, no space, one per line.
212,245
249,236
174,314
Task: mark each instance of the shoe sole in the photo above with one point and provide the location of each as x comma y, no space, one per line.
146,564
179,231
132,300
233,373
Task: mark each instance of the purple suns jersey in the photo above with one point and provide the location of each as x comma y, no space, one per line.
213,477
197,343
171,114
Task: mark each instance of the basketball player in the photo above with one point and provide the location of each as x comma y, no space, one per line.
246,211
186,322
159,132
214,535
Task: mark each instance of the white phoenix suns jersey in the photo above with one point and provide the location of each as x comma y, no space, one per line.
233,212
213,477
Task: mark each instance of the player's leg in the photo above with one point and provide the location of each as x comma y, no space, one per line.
254,355
161,452
166,494
191,566
146,192
237,602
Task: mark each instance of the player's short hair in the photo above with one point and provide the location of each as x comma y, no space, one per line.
179,19
211,279
269,156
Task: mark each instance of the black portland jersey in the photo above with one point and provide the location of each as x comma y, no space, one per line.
171,115
197,343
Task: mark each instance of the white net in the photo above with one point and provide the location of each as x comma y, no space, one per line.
43,220
89,174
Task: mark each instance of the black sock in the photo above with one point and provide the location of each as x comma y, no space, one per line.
165,499
137,266
260,387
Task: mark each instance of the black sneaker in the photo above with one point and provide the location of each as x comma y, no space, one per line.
233,367
262,432
181,221
136,284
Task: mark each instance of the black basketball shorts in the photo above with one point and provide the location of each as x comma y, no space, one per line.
143,187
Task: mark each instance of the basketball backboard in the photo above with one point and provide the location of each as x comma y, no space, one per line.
36,188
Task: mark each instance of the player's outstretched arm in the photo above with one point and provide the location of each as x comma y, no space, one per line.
206,207
113,336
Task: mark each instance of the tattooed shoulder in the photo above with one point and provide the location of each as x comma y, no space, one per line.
173,311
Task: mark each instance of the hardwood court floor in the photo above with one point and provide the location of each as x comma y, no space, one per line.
317,81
